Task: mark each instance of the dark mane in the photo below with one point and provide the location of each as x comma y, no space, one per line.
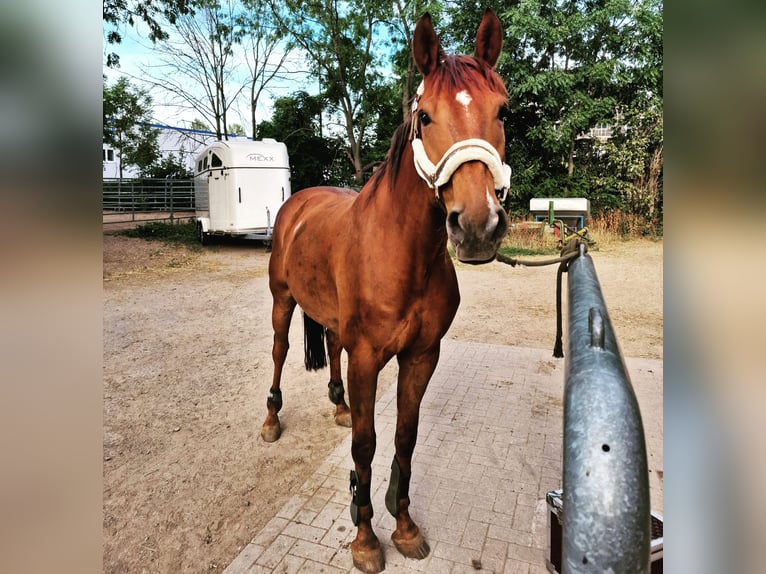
399,141
454,74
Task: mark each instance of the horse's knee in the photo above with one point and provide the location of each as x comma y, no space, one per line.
363,449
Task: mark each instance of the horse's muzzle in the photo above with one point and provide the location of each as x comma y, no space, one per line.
476,241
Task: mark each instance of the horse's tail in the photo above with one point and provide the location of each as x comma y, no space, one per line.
313,343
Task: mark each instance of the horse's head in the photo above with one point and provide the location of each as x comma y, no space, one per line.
458,136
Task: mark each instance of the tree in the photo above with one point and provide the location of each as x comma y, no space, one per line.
295,122
406,14
338,38
265,53
200,125
570,66
117,12
563,69
196,65
633,160
126,126
169,167
634,156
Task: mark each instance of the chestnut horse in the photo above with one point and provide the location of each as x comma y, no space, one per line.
372,270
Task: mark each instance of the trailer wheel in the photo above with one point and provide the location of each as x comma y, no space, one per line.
201,235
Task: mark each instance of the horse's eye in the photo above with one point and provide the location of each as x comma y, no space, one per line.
502,115
425,119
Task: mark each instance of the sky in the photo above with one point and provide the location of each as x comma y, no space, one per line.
138,55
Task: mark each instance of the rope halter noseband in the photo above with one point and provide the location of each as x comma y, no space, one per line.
473,149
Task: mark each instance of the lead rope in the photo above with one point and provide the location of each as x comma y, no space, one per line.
569,251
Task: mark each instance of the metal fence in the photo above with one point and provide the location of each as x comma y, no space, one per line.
146,199
606,526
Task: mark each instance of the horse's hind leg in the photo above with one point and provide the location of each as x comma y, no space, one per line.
281,314
335,386
414,374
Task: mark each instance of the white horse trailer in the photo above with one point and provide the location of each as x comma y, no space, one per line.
239,185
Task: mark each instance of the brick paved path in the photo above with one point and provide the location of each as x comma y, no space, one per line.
489,449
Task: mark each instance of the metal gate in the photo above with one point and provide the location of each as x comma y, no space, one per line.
606,522
141,200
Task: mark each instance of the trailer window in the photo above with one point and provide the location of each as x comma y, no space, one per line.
204,163
215,161
199,165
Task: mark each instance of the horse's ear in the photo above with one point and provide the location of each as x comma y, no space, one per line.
425,45
489,38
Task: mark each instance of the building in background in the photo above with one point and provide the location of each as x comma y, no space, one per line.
183,143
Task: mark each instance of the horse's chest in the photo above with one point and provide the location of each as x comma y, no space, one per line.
422,322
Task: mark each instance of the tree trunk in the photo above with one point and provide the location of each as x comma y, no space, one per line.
570,166
253,104
653,181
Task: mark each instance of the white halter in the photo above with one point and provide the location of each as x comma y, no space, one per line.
473,149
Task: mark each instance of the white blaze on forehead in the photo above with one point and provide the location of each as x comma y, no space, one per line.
463,98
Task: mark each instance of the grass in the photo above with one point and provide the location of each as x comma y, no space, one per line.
525,242
613,227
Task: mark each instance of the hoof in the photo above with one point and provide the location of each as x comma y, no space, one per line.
416,548
343,419
370,561
271,434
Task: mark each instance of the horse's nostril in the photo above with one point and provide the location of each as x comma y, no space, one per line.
454,229
502,225
453,220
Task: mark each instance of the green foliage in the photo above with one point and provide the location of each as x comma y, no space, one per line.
570,66
179,233
126,125
296,123
169,167
341,40
632,161
117,13
198,124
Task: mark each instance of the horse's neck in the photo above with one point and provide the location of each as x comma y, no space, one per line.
406,215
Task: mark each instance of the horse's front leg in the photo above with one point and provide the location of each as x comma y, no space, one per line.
414,374
363,371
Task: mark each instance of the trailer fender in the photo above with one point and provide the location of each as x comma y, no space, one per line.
203,227
203,223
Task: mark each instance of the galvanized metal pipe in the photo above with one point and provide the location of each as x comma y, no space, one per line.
606,525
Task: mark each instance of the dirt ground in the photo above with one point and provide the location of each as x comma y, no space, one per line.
187,367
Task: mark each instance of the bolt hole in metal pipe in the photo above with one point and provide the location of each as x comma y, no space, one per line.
606,522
